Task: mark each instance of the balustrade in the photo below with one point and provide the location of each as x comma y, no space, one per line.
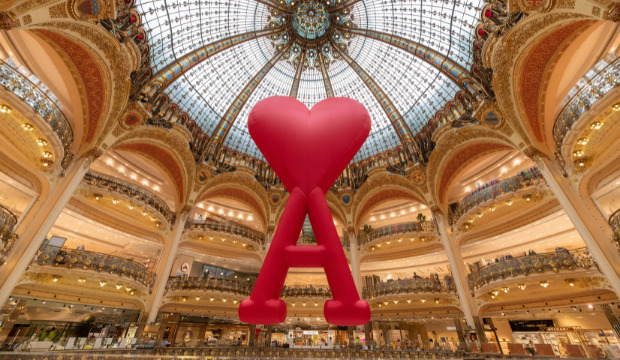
306,291
88,260
590,89
396,229
561,259
228,228
205,283
614,222
37,99
7,234
532,177
409,286
130,190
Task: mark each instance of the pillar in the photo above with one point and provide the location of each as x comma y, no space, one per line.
8,325
268,336
590,224
163,272
252,335
612,318
457,266
37,225
355,263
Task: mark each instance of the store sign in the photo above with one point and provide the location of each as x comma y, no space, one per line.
185,267
451,328
558,329
310,332
530,325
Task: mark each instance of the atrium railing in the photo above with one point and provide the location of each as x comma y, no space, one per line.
595,87
532,177
205,283
409,286
306,291
228,228
561,259
396,229
130,190
614,222
88,260
32,95
7,227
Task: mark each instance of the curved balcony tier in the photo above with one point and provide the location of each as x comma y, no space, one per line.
409,286
130,191
88,260
416,229
302,291
7,227
559,260
228,228
614,222
526,180
209,284
42,105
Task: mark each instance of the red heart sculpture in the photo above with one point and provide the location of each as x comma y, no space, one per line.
309,148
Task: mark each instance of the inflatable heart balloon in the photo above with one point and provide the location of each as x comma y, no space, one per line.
308,150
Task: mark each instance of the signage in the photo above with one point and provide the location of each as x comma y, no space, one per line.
185,267
451,328
530,325
310,332
559,329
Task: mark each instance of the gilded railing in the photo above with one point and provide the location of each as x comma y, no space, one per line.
614,222
228,228
88,260
531,177
561,259
604,79
409,286
396,229
206,284
130,190
30,93
306,291
7,227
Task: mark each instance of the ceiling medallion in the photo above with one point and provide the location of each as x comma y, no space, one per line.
315,27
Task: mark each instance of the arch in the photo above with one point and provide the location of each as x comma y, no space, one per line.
166,149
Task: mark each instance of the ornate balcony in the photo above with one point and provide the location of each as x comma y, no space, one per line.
88,260
397,229
561,259
527,179
42,105
7,234
598,81
409,286
133,192
228,228
306,291
209,284
614,222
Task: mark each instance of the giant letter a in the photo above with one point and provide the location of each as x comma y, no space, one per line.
308,150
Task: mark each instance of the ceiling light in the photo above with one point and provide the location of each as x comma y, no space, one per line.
27,127
423,300
616,107
250,218
544,284
583,141
114,201
597,125
81,280
55,279
509,202
492,208
210,208
102,283
47,163
521,286
144,213
197,298
505,289
118,287
131,206
97,196
578,153
5,109
41,142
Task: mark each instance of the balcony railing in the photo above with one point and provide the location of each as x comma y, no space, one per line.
228,228
130,190
205,283
561,259
306,291
409,286
598,81
396,229
614,222
88,260
532,177
32,95
7,227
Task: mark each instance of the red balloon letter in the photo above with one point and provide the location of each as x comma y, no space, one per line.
308,150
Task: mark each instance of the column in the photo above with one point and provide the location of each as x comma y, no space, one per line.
460,332
457,266
8,325
355,262
590,224
268,336
612,318
38,224
163,272
251,335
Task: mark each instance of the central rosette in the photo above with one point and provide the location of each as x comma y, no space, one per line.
310,19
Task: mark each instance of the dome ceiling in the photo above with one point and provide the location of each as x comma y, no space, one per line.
404,60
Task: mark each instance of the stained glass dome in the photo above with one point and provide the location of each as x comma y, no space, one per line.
403,59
